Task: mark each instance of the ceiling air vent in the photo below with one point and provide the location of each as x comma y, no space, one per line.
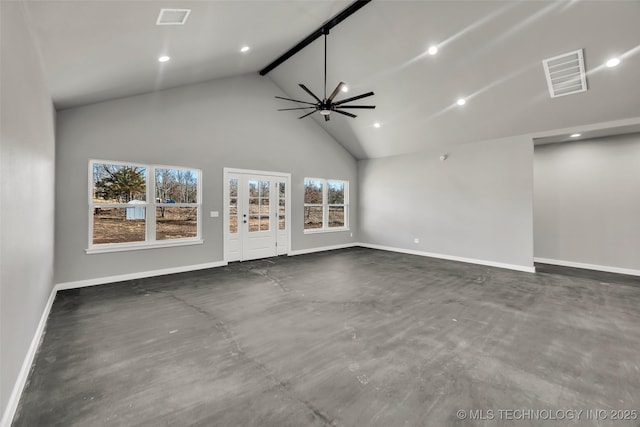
173,16
565,74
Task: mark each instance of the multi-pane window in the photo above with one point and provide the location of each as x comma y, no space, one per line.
137,205
326,204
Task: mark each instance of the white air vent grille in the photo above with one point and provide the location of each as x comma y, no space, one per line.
173,16
565,74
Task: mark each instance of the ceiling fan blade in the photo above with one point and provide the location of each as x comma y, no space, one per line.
345,113
308,114
309,92
295,100
364,95
355,106
336,91
327,117
297,108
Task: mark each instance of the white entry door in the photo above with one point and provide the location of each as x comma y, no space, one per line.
256,215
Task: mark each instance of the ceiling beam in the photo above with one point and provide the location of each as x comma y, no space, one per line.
324,29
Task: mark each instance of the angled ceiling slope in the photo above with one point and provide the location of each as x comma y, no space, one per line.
106,49
490,53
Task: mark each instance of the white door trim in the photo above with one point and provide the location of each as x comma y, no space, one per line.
225,191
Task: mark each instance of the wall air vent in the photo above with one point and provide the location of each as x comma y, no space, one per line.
565,74
173,16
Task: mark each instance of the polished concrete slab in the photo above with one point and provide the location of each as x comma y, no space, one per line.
354,337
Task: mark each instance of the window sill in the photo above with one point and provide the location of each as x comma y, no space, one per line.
122,247
325,230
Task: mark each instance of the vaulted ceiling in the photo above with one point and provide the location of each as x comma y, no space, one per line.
489,53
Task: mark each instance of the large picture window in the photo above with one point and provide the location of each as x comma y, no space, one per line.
135,206
326,205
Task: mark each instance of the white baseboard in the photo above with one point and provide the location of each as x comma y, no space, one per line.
140,275
524,268
14,399
23,375
323,248
619,270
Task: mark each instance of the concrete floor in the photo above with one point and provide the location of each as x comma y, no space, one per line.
355,337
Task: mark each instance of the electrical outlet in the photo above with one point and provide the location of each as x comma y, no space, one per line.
416,240
351,234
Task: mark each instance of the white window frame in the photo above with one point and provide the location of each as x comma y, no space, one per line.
325,206
150,206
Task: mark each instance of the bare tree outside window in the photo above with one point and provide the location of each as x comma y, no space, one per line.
325,204
313,199
121,212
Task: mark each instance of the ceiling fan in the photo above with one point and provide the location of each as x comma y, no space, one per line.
326,105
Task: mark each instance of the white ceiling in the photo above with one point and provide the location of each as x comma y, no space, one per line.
490,52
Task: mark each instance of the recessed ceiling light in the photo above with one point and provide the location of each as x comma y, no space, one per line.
575,135
163,58
461,101
613,62
376,125
345,88
433,50
245,49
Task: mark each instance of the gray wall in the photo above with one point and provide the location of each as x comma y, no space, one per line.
224,123
26,209
587,202
476,204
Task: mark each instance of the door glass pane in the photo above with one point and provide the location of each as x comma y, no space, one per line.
119,225
264,206
253,189
254,205
281,215
336,216
281,189
264,188
176,223
254,223
233,187
233,205
233,223
312,217
264,223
